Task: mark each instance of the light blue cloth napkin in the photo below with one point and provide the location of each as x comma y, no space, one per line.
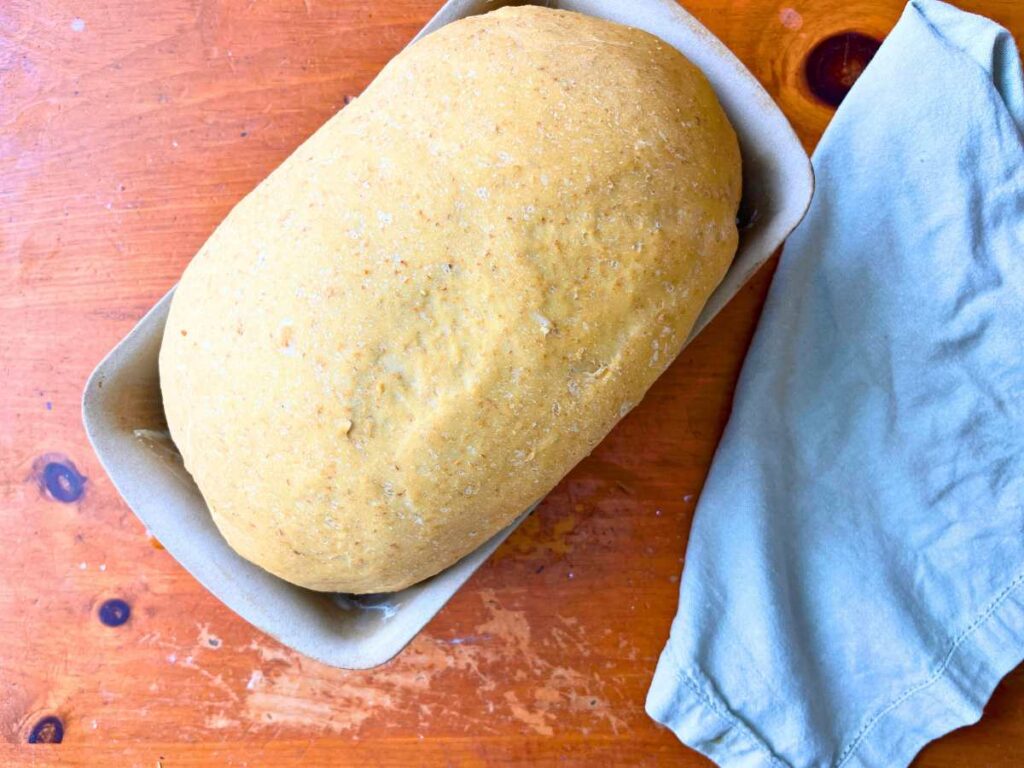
853,584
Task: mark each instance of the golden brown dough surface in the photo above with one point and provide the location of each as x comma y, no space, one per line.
448,295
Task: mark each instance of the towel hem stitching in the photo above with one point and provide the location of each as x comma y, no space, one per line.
937,675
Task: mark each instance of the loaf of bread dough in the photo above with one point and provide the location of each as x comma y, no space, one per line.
448,295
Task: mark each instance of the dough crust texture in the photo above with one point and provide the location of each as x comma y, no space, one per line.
448,295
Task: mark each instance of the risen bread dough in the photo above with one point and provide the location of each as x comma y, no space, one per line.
448,295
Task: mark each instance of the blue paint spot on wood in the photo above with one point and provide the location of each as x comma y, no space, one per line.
58,478
47,730
62,481
115,612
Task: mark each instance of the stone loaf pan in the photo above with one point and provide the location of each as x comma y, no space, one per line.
123,412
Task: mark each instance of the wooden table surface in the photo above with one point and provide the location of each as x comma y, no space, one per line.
128,129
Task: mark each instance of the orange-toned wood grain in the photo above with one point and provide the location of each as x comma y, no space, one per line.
128,128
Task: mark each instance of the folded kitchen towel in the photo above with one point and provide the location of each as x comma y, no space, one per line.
854,583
